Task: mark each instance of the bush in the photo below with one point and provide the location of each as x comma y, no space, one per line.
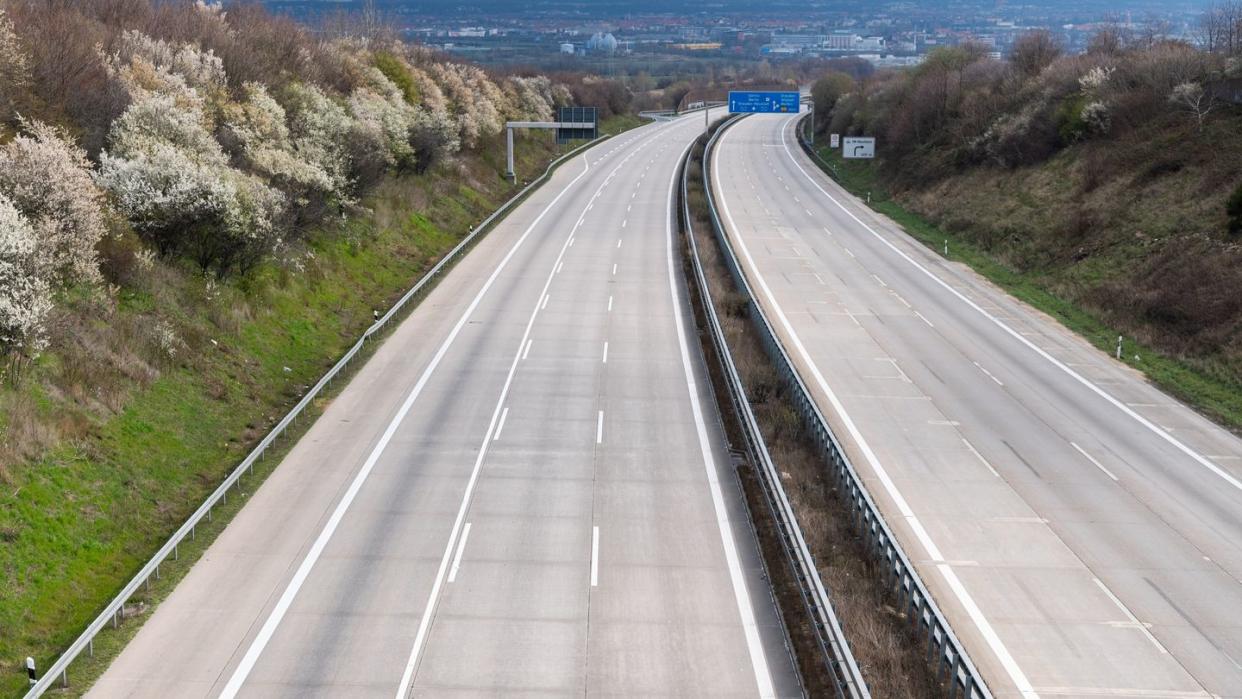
1233,209
173,182
24,295
48,179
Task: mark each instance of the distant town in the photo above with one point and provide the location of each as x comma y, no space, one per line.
887,35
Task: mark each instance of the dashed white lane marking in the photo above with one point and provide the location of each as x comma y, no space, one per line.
614,269
989,374
461,548
571,242
979,456
605,352
501,426
610,304
560,266
1092,460
879,281
849,252
242,671
599,428
526,352
623,222
1130,615
618,239
594,556
924,319
544,305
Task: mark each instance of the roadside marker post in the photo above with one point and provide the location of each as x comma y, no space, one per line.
31,674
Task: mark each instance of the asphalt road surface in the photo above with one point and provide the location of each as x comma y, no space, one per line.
1081,530
525,491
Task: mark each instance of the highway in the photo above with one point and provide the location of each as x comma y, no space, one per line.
524,492
1081,530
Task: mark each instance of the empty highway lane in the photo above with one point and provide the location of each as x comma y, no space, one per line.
525,491
1081,530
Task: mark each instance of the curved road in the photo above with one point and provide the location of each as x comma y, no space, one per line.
524,492
1081,529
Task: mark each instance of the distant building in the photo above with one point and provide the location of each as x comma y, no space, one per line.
567,49
602,43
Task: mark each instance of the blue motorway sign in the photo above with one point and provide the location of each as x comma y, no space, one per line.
764,102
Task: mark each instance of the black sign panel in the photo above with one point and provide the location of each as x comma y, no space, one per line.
577,115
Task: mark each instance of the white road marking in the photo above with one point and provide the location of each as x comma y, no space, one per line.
461,548
618,239
758,659
819,278
1155,429
1130,615
614,269
526,352
499,428
902,299
242,671
594,556
924,318
546,297
879,281
599,428
559,267
571,242
1092,460
610,304
990,376
605,352
623,223
424,624
849,252
979,456
899,501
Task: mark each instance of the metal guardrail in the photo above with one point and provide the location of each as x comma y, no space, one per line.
944,650
111,614
838,659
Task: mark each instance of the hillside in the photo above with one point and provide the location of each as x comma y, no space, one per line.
1105,188
199,211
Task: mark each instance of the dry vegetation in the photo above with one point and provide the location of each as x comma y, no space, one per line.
890,655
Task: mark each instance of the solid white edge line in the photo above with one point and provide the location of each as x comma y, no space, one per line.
907,513
256,647
461,548
754,644
1155,429
424,624
594,556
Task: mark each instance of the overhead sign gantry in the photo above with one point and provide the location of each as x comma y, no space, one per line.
572,124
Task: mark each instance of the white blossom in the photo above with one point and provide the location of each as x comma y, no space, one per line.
25,296
173,181
48,179
14,66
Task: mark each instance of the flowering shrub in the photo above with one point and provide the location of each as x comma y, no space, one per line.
173,181
25,298
48,179
14,67
319,129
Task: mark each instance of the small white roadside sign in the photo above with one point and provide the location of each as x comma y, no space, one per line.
857,147
835,140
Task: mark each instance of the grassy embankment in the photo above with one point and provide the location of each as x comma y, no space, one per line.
1009,227
156,429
